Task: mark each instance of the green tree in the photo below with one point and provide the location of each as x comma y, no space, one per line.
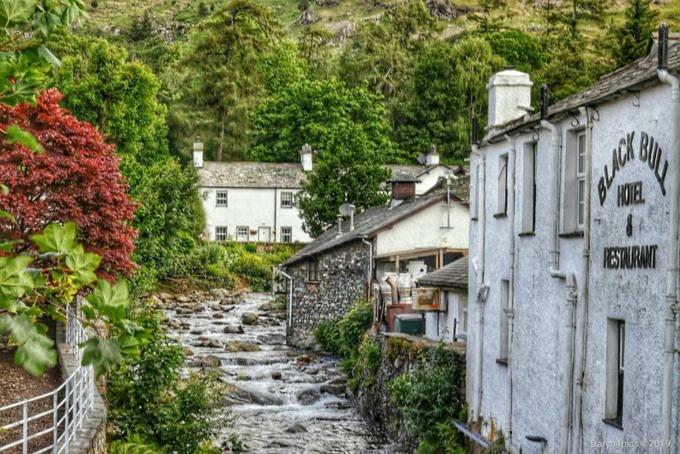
104,87
435,108
350,171
630,40
223,75
311,112
315,48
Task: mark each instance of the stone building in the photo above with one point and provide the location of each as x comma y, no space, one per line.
255,201
574,264
331,273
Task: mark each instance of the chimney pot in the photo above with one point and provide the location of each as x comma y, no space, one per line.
339,218
509,96
198,153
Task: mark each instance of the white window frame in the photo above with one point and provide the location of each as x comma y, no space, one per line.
221,233
239,233
287,202
222,201
286,234
580,143
502,205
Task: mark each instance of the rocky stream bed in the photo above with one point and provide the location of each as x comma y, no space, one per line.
284,400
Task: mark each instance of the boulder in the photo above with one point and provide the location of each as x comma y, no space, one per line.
336,390
188,352
272,339
238,346
276,375
233,329
296,429
217,315
214,343
209,362
304,359
249,318
308,396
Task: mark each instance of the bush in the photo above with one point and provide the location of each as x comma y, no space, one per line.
430,393
149,402
255,270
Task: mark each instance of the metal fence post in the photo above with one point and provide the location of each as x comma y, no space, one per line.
24,428
55,420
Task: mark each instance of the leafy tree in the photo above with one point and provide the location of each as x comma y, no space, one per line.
488,7
312,112
282,67
42,282
75,177
382,52
222,72
104,87
315,48
435,109
350,171
630,40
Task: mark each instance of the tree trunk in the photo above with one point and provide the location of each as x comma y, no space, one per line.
219,150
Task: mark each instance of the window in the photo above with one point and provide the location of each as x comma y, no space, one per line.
222,198
220,233
462,316
581,177
616,350
286,234
286,199
502,206
241,233
529,188
503,328
313,270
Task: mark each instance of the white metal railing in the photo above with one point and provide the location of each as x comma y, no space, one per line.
48,423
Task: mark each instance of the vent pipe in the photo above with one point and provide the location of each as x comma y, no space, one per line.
545,95
663,47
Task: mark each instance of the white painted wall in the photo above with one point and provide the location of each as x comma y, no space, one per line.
254,208
427,229
540,335
430,178
442,325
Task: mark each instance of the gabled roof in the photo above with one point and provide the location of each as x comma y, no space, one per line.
632,77
366,224
454,275
250,175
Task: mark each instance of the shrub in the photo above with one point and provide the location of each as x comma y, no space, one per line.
430,393
327,334
149,401
256,271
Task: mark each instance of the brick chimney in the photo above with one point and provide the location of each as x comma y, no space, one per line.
403,188
198,153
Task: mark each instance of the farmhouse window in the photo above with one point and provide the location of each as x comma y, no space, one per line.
286,234
220,233
313,270
286,199
242,233
529,188
502,206
574,183
222,199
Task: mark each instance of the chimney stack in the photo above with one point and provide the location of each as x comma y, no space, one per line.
403,188
198,153
306,158
432,157
509,97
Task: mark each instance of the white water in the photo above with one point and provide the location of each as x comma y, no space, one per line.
329,422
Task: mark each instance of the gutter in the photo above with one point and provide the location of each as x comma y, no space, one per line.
672,266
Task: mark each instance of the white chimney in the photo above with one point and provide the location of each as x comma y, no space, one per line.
198,153
306,159
432,157
509,96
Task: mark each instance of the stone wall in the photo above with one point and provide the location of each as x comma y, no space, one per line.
399,354
341,282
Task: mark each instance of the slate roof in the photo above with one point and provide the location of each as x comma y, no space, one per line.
632,77
453,275
216,174
366,224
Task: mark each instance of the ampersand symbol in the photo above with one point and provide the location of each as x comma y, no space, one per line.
629,225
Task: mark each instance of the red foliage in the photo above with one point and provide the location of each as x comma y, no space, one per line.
76,179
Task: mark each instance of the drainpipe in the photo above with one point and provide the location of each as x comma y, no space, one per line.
568,277
510,311
582,317
672,267
290,295
482,289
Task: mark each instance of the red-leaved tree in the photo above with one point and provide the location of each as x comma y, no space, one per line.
74,178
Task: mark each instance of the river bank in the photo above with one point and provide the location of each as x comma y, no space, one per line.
283,400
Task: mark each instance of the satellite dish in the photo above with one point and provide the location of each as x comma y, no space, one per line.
346,209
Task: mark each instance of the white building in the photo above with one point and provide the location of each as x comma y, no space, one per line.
255,201
573,266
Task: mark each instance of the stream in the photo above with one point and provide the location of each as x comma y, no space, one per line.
283,400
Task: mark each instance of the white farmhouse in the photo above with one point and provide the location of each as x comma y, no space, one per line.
255,201
572,339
